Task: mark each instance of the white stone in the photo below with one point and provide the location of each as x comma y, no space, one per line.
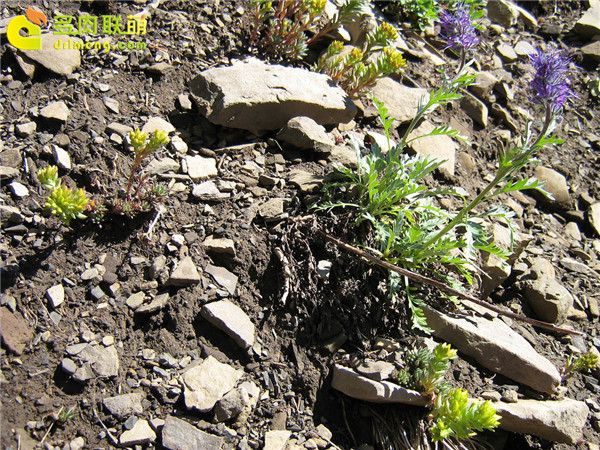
555,184
559,421
123,406
201,168
135,300
357,386
18,189
277,439
232,320
111,104
548,298
62,61
157,123
589,24
440,147
178,434
219,245
254,95
25,129
62,157
141,433
55,111
401,101
593,214
496,346
303,132
206,383
56,295
223,277
184,274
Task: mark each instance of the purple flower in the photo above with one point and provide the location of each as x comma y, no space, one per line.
550,84
458,28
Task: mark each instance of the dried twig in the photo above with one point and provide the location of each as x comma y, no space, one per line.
444,287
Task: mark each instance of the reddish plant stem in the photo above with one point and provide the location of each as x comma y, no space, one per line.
444,287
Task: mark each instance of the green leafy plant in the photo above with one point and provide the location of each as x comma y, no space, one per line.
454,413
358,69
420,13
144,196
65,203
584,362
285,28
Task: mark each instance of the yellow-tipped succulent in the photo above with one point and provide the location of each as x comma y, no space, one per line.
67,204
48,176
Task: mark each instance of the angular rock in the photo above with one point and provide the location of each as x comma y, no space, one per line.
524,49
356,386
476,109
440,147
141,433
103,360
277,439
589,24
232,404
232,320
123,406
157,123
25,129
593,215
559,421
223,277
401,101
220,245
272,209
157,303
184,102
380,139
592,51
253,95
185,274
484,84
201,168
134,301
555,184
496,346
56,295
375,370
340,155
14,331
507,53
120,129
206,383
502,12
303,132
61,157
306,181
549,299
62,61
55,111
19,190
178,434
208,191
162,165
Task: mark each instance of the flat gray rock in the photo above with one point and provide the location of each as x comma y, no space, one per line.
401,101
556,184
141,433
185,274
223,277
559,421
178,434
303,132
439,147
206,383
356,386
548,298
123,406
496,346
589,24
254,95
62,61
232,320
201,168
55,111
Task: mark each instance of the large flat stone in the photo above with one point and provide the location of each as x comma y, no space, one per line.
254,95
401,101
206,383
178,434
559,421
232,320
496,346
440,147
357,386
62,61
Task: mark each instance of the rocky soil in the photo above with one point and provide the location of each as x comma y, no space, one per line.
223,319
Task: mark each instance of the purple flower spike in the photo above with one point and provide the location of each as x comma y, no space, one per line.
550,83
458,29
